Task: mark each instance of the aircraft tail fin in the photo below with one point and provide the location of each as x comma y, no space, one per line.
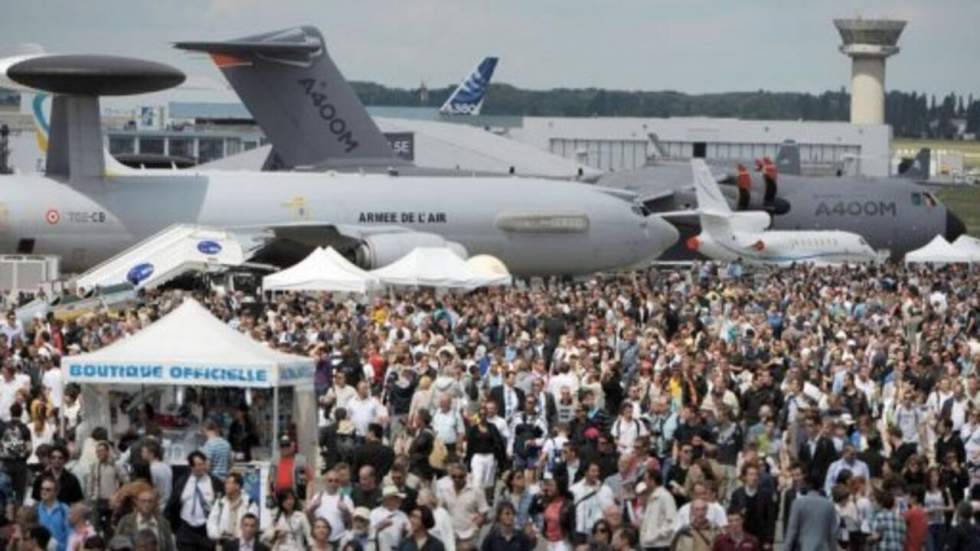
788,158
710,198
298,96
468,98
917,168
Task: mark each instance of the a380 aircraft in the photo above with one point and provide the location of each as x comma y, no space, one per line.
468,98
87,207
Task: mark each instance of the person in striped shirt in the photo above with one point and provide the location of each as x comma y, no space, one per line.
217,450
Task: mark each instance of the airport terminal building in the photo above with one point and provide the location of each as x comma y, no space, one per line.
548,146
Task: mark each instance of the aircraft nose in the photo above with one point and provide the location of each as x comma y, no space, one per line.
954,226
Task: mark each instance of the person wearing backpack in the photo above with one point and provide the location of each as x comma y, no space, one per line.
626,429
529,428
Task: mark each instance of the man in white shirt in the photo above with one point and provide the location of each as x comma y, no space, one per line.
54,384
717,516
448,423
333,507
467,505
336,397
626,429
592,497
388,523
10,383
191,503
13,328
228,514
364,409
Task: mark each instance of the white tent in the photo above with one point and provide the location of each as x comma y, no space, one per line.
322,270
968,245
435,267
487,265
937,251
191,347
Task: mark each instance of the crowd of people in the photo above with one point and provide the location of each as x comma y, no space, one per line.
704,408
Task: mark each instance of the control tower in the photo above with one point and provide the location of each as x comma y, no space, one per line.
868,42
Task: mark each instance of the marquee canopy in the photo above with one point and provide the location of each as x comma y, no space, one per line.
189,346
937,251
322,270
436,267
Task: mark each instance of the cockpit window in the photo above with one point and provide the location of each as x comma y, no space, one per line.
930,199
916,199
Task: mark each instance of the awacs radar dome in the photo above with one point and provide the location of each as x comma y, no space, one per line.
92,75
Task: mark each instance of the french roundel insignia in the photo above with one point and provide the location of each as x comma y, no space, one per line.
52,216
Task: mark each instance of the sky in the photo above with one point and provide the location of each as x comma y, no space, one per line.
693,46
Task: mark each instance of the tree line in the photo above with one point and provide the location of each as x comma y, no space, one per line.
911,114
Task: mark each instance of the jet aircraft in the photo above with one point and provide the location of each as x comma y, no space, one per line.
727,235
468,98
894,214
86,207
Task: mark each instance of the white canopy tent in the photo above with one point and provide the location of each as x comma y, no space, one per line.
937,251
322,270
969,246
436,267
486,265
191,347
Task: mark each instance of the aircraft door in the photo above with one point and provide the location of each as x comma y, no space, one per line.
699,150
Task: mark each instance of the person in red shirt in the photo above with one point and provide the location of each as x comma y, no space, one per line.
769,174
916,520
744,182
735,538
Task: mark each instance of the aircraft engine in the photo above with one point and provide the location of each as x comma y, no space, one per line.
380,250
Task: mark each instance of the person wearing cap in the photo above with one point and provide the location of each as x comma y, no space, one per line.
284,473
388,522
360,530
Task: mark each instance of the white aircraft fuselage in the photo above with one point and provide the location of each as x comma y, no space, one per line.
536,227
785,247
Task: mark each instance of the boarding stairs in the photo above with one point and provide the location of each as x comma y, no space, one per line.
168,254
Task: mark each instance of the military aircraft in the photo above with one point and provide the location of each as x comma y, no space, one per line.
86,207
727,235
327,128
894,214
